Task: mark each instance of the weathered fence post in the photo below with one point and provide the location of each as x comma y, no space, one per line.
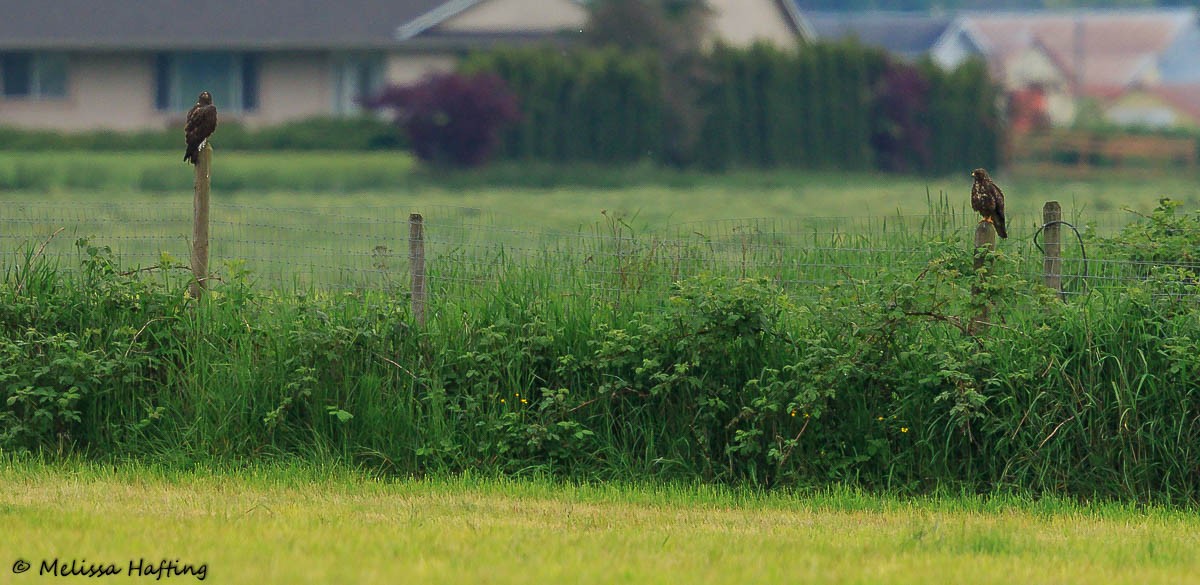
985,243
1052,239
200,222
416,256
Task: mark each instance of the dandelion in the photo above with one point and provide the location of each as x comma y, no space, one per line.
793,413
501,401
523,401
879,419
904,429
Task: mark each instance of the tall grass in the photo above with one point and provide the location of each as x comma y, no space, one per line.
729,359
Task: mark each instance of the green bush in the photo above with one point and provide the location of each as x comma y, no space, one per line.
883,383
360,133
582,105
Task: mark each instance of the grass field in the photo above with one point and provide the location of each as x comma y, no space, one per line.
336,218
315,525
538,194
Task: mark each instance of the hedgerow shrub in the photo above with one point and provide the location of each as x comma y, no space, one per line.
321,133
842,106
598,105
884,383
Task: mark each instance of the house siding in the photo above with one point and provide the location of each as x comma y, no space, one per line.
122,82
744,22
112,84
1143,109
517,15
953,50
293,85
405,68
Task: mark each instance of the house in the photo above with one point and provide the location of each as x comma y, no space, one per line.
1098,56
907,35
84,64
1175,105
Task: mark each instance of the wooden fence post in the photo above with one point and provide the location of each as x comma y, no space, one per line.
200,221
985,243
1052,240
416,256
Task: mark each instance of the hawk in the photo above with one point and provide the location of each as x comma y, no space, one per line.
201,121
988,200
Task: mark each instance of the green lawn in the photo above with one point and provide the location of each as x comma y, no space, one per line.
328,526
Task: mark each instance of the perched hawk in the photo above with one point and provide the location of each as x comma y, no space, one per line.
201,121
988,200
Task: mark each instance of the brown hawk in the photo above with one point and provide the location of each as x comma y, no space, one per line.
988,200
201,121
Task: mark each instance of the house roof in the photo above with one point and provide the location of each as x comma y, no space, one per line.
224,24
904,33
1093,48
1183,97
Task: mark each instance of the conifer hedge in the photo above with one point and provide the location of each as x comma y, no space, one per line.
815,106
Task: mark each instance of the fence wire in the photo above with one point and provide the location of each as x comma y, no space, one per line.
471,251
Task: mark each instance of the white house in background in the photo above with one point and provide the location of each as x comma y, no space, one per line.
1138,66
906,35
120,64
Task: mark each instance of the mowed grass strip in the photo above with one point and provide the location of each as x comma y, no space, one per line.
561,196
288,525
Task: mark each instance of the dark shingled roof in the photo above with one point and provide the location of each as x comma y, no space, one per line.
906,34
208,24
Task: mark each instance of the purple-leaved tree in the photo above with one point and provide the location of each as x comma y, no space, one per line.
452,119
902,101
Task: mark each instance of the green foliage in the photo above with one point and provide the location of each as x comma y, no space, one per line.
56,370
1164,237
965,125
761,106
355,133
892,382
599,106
162,171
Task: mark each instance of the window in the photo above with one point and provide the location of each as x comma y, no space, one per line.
232,79
33,75
355,77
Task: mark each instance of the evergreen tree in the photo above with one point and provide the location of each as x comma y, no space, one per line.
674,30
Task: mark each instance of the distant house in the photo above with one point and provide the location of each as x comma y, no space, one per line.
119,64
906,35
1103,56
1175,105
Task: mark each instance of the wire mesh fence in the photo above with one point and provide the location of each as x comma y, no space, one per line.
468,250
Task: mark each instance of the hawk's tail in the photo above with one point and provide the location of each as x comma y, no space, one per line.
999,221
191,153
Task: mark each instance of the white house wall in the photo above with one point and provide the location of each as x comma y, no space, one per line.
518,15
405,68
291,86
953,49
744,22
104,90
